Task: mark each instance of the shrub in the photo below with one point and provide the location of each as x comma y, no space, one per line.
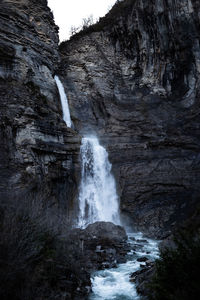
177,271
23,247
37,262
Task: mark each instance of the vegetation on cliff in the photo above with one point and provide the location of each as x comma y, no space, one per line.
120,8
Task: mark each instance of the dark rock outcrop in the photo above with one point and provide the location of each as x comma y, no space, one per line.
38,153
101,245
134,79
142,279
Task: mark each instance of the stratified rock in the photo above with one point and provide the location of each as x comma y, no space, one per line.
38,153
134,79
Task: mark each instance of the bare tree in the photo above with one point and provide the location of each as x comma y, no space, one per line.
74,30
86,22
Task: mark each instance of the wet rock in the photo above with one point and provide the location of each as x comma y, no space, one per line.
101,245
142,259
149,262
142,277
142,241
137,247
134,275
107,231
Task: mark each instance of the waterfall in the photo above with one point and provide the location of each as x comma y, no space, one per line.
64,102
98,200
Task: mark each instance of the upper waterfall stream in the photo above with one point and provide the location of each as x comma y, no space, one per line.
64,102
98,200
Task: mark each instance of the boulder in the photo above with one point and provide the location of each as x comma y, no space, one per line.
142,259
101,245
142,277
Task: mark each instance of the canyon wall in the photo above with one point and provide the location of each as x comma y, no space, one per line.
38,153
133,78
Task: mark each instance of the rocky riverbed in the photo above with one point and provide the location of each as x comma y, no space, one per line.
100,246
125,281
109,262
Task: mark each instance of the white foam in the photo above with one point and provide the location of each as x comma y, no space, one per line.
98,200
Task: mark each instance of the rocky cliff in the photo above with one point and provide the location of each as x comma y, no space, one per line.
133,78
38,153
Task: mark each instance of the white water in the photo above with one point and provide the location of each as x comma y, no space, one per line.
64,102
98,200
115,283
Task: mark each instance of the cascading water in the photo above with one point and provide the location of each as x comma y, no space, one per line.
64,102
98,200
115,284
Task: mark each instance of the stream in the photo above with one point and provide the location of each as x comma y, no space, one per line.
115,283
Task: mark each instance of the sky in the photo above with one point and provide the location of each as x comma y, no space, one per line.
69,13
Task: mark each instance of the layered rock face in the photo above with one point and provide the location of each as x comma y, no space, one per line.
38,153
134,80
